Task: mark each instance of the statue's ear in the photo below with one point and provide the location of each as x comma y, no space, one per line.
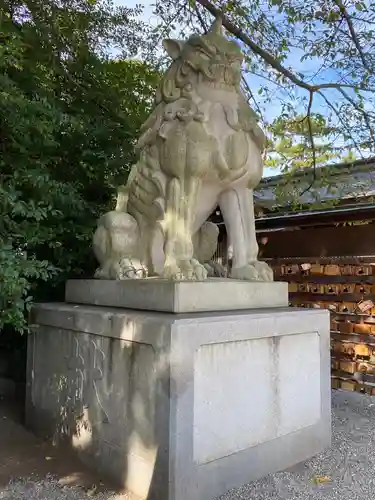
173,47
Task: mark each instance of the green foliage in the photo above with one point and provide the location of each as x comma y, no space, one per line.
290,148
17,272
69,117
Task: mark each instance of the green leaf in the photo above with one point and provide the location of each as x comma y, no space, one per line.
69,118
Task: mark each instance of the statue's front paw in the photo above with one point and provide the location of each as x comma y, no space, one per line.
254,271
122,269
185,270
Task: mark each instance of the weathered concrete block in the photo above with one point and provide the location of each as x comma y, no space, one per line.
178,296
181,407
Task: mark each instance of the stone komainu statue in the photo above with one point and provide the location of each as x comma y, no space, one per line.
201,147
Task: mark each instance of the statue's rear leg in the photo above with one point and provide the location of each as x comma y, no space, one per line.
237,207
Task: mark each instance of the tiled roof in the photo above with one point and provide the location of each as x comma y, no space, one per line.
338,181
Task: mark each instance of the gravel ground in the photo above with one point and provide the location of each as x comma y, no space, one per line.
344,472
51,489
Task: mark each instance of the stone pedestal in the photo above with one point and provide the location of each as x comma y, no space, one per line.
181,406
178,296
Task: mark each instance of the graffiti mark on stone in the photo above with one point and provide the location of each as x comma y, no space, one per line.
76,364
97,375
86,366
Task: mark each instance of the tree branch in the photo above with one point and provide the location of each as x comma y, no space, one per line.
337,113
339,86
200,18
330,41
353,34
249,91
269,58
366,117
312,144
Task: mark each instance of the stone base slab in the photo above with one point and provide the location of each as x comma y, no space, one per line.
155,294
181,407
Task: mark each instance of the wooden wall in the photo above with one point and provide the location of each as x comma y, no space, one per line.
320,242
334,268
